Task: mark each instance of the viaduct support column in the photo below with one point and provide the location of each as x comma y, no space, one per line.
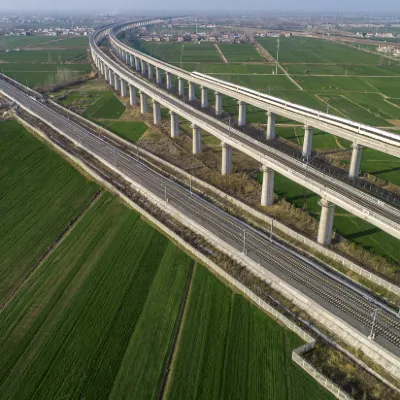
137,64
174,124
226,167
242,113
307,144
150,72
196,140
110,76
181,87
156,112
267,192
158,76
143,67
168,79
218,104
326,222
270,126
117,83
143,102
124,88
106,73
355,161
132,60
191,91
204,97
132,95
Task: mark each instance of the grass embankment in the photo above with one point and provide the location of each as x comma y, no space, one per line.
40,195
104,108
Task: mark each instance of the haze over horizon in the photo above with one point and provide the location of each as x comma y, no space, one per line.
182,6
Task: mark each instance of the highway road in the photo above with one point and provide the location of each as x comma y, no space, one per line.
337,294
344,195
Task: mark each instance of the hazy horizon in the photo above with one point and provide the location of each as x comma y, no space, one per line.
182,6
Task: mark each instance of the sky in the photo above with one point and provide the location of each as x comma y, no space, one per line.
182,6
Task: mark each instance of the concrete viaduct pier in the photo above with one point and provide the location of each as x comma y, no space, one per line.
128,83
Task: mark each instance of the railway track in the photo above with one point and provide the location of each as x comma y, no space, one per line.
339,295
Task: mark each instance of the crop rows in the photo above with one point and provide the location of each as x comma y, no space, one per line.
106,107
69,330
240,53
229,349
40,195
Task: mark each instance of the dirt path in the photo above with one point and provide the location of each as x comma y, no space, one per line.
37,47
221,54
71,224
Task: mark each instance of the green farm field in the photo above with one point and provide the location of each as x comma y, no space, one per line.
39,75
105,109
32,177
79,42
131,131
310,50
230,350
44,61
240,52
106,304
41,56
14,42
107,106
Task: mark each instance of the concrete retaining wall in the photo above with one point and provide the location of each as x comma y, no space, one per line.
321,379
278,225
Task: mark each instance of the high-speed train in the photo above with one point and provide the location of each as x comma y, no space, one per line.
353,126
344,123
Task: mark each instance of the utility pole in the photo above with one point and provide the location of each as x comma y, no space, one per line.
271,228
165,193
277,56
372,333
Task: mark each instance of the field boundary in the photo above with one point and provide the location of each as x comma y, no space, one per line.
180,320
333,388
221,54
60,237
345,262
